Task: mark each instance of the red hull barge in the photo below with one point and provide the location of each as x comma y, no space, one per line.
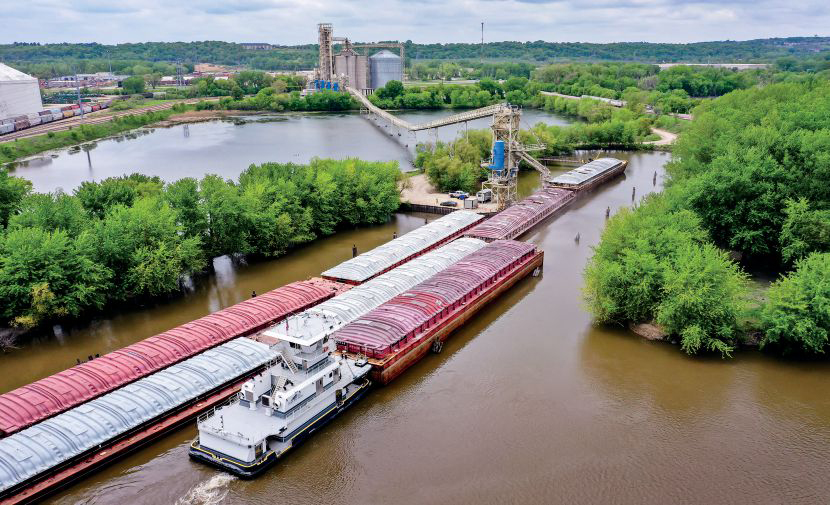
399,333
64,390
514,221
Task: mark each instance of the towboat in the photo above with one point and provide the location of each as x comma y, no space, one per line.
305,387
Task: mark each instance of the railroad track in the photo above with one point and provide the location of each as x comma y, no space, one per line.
67,124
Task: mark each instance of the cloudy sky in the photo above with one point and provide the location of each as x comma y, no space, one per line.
294,21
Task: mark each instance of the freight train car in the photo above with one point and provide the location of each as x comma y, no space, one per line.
402,249
47,397
77,436
524,215
401,331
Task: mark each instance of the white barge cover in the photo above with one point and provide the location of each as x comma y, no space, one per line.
44,445
381,258
329,316
586,172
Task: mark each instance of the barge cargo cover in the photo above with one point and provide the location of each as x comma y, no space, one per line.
514,221
52,395
589,175
398,251
34,453
345,308
400,332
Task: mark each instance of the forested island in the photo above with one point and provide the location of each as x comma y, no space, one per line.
135,238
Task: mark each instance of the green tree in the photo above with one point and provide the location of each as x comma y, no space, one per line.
51,212
144,244
804,230
133,85
654,264
12,191
44,276
226,231
183,197
796,316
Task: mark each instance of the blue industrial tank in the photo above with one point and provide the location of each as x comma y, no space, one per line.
498,156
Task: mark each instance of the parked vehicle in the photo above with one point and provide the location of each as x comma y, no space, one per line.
485,195
449,203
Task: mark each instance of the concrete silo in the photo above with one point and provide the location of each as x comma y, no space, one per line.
385,66
354,67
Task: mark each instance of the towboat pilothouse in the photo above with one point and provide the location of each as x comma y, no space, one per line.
302,389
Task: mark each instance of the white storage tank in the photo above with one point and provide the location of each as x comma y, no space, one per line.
19,93
385,66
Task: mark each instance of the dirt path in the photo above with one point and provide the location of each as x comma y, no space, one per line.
420,191
666,137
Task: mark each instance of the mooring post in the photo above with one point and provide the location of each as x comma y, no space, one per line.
654,181
607,212
354,250
633,192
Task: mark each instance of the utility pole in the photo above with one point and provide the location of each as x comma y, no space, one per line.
481,52
78,91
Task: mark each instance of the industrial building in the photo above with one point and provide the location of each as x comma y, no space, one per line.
19,93
350,68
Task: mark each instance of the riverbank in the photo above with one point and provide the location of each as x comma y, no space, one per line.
14,150
417,190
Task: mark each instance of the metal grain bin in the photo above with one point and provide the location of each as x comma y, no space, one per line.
385,66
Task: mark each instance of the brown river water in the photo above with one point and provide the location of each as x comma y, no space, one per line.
528,403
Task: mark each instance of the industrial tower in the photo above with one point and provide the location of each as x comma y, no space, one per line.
326,62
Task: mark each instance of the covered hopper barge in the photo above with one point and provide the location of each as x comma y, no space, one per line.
400,332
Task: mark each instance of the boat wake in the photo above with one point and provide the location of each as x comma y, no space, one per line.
209,492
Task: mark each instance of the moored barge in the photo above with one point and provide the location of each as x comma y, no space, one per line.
519,218
402,331
589,175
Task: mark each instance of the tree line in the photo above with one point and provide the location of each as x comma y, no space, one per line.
134,238
305,56
746,178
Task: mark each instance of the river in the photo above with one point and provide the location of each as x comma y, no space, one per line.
528,403
227,147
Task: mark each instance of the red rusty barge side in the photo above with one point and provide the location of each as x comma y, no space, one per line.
64,390
441,321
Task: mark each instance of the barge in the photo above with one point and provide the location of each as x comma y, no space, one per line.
589,175
53,453
517,219
70,388
400,332
398,251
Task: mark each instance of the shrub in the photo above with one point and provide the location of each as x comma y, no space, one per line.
796,317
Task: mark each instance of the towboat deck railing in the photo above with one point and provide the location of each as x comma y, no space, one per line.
210,413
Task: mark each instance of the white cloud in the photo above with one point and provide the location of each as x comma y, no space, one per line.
426,21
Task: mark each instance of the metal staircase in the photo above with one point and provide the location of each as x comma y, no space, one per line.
288,362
